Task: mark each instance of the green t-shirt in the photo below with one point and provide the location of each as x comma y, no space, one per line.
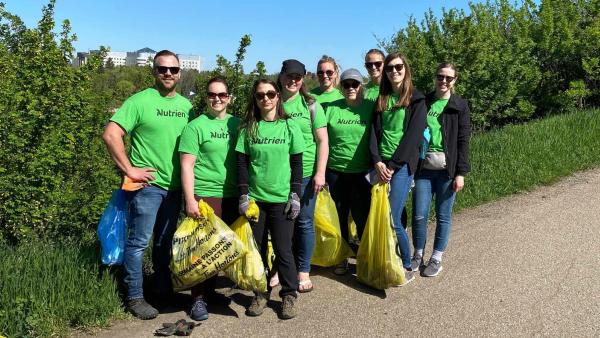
212,141
372,91
298,110
269,153
326,98
392,122
348,129
434,122
155,124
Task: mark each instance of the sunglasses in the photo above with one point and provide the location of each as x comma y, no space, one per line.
261,96
329,73
376,64
398,67
221,96
350,84
448,79
163,69
295,77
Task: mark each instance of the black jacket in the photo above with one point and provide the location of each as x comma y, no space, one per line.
456,129
407,151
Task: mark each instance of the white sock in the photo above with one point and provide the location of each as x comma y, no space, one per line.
437,255
419,252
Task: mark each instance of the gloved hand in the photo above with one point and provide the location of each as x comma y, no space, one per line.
292,208
244,202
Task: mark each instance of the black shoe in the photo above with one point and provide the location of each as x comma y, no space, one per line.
140,309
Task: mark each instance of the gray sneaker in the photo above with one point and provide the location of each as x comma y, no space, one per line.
409,276
433,268
288,309
141,309
416,262
258,305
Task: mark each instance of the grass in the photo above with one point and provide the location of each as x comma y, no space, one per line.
47,289
521,157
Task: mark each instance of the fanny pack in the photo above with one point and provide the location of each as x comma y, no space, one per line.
434,160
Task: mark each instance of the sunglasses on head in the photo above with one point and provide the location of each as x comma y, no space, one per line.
376,64
350,84
163,69
398,67
221,96
329,73
441,78
261,96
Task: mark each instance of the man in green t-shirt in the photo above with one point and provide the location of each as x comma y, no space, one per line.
154,119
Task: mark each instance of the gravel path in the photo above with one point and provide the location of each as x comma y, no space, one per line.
527,265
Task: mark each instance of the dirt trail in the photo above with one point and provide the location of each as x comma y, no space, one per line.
527,265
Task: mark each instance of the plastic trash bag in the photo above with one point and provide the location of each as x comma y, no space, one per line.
377,263
201,248
352,232
112,228
330,246
249,271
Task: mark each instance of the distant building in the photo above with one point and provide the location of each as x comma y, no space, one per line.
140,58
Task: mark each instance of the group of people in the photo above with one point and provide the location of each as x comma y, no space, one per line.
288,145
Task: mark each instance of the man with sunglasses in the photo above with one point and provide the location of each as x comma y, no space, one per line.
373,64
154,118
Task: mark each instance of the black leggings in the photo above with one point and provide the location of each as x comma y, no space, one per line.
273,219
351,193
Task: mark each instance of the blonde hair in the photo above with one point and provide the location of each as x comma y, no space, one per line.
336,67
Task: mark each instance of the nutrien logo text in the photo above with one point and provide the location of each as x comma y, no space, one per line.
170,113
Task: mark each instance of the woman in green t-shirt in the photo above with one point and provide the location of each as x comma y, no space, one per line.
396,137
327,74
301,107
208,172
374,65
442,172
348,124
269,160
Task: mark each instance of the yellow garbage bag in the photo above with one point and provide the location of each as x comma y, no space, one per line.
330,246
249,271
201,248
352,232
377,264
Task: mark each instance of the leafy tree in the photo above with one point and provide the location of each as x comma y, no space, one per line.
55,177
239,83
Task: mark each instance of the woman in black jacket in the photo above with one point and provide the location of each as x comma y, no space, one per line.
396,136
443,170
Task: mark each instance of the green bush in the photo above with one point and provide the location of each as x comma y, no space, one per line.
55,176
515,62
46,289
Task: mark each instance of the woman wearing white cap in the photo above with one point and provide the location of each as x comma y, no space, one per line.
348,123
396,136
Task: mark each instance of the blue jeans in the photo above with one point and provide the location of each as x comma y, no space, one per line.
152,211
399,189
428,183
304,230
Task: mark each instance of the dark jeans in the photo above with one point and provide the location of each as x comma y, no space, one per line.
273,220
152,211
351,193
227,210
304,236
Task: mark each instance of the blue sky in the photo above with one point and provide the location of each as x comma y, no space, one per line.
280,30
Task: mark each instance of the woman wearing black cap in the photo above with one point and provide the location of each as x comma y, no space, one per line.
348,124
396,137
308,114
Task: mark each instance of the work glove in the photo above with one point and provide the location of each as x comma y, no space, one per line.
292,208
244,203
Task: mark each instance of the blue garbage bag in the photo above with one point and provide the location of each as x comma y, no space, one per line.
112,228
